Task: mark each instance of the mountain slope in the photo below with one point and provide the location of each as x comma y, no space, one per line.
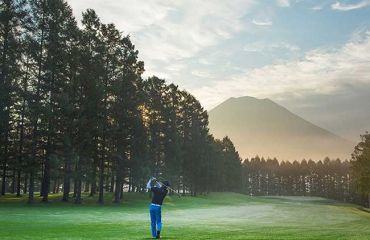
262,127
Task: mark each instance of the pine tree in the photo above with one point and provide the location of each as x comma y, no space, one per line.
90,98
360,166
172,135
155,88
195,143
125,108
69,107
60,22
37,41
232,164
13,16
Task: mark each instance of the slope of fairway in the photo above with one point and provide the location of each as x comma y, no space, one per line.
215,216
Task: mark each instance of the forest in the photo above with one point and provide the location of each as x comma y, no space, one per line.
77,115
76,112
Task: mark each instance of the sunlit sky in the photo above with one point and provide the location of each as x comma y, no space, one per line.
311,56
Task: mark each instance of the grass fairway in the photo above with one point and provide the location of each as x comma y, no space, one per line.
216,216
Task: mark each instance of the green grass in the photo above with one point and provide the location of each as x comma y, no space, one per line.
215,216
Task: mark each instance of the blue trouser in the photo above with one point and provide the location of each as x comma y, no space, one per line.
155,218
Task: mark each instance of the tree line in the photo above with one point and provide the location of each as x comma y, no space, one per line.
327,178
347,181
77,115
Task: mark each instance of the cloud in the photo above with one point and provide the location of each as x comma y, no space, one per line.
202,74
347,7
265,22
175,67
262,47
317,8
283,3
167,31
204,61
320,72
128,15
320,5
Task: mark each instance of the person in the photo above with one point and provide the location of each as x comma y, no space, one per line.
159,191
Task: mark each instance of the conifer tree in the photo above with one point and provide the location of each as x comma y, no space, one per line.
360,166
13,17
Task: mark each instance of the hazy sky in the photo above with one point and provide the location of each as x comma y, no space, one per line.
311,56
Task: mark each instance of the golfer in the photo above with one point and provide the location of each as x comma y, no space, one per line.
160,191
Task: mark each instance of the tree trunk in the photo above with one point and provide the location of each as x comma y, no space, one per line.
55,185
93,186
93,177
112,180
5,154
31,187
74,187
78,181
25,183
42,170
3,183
78,191
19,182
57,190
14,181
87,187
118,189
101,175
46,179
67,170
121,191
130,181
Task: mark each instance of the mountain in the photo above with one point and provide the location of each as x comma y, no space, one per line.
263,127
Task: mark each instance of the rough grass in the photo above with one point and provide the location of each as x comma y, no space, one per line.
215,216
